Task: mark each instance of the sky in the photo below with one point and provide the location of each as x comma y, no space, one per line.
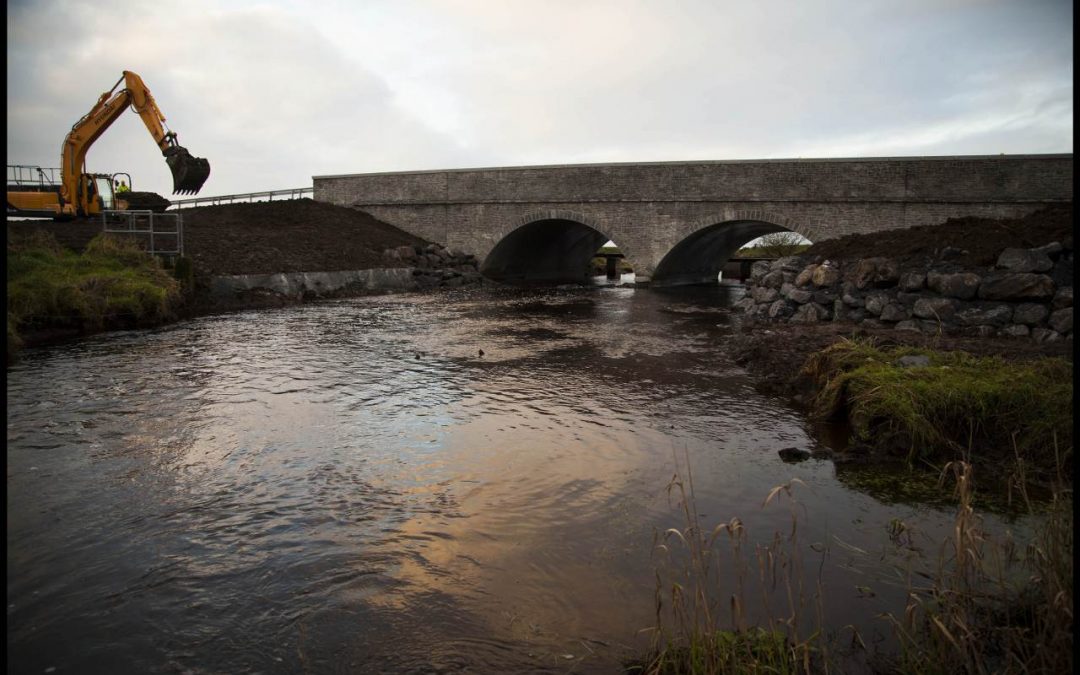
273,93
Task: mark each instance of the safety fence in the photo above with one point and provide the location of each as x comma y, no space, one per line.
160,234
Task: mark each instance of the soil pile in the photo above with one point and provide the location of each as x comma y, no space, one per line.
977,241
299,235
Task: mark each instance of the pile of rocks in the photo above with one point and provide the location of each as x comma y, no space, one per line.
434,265
1028,293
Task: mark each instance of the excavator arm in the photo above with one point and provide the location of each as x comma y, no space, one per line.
189,173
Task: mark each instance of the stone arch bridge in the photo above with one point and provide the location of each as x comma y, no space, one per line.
679,222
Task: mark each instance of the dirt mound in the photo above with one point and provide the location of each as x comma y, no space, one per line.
979,239
299,235
145,201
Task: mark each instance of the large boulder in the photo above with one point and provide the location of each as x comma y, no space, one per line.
826,275
795,294
781,309
942,309
876,272
758,270
895,312
1024,260
983,314
805,276
1062,320
811,312
763,295
1030,313
960,285
912,281
1063,298
774,279
1016,286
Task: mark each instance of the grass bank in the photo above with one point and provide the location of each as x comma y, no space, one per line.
936,406
113,284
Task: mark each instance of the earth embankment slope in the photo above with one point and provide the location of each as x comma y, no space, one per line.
299,235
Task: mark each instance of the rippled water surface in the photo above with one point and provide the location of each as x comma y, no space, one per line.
353,487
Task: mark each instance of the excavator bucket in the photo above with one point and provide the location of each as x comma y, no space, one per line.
189,173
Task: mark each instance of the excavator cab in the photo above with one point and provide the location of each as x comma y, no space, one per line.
97,193
189,172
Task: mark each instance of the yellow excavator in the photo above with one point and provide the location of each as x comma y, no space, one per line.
36,192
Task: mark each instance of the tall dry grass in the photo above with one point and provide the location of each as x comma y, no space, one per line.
980,604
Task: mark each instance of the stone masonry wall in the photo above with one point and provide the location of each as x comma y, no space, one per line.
647,209
1028,293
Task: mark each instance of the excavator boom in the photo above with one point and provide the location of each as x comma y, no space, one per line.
189,172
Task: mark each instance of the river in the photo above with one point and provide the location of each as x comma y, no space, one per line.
351,486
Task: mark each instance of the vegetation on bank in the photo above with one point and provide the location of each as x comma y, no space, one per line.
775,245
112,284
982,603
939,406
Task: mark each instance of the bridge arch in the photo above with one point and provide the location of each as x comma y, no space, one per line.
699,257
548,246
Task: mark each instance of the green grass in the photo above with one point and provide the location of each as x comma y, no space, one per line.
111,284
959,406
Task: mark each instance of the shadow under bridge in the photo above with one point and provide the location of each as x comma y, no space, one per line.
547,251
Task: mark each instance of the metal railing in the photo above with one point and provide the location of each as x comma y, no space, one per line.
24,175
295,193
155,230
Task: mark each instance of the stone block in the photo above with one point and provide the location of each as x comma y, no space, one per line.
795,294
1052,250
875,302
774,279
1045,335
1016,330
983,313
895,312
862,274
907,325
810,313
912,281
764,295
806,276
1061,320
940,309
826,275
1016,286
908,299
1063,298
960,285
781,309
1030,313
1024,260
758,270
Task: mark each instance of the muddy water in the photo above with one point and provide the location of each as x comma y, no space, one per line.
353,487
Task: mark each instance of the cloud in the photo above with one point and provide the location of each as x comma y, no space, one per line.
260,94
272,93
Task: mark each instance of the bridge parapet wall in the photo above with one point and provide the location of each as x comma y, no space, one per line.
647,209
1008,178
